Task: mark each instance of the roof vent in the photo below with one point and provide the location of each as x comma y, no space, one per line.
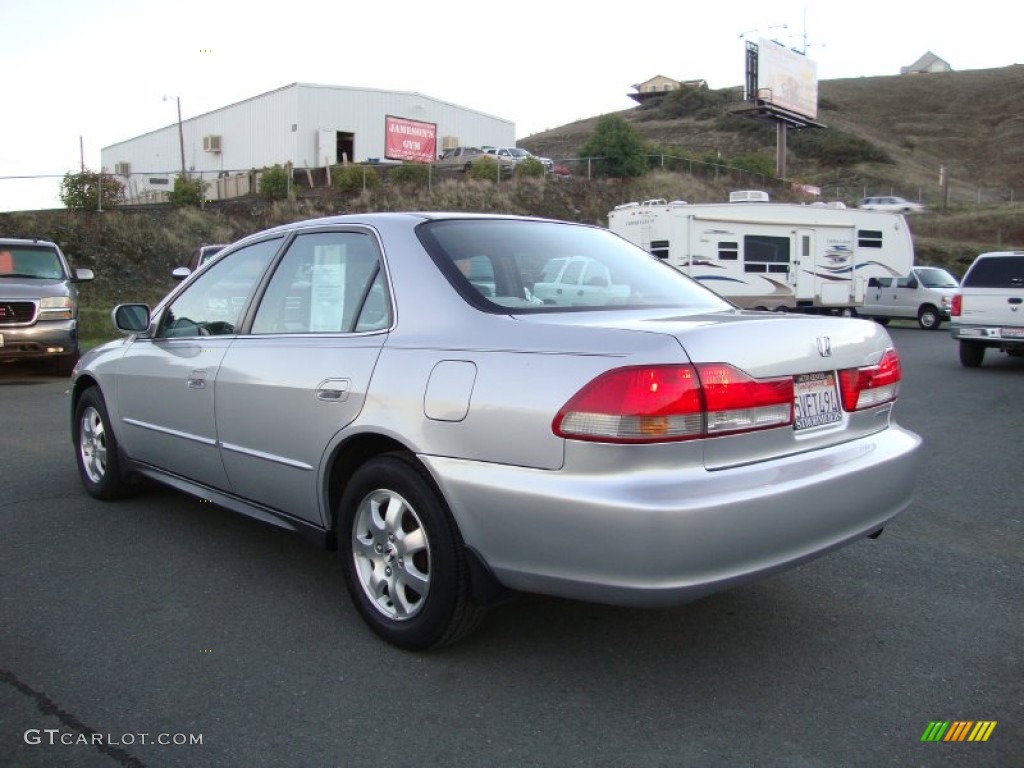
748,196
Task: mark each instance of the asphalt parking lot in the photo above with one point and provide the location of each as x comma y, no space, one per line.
164,631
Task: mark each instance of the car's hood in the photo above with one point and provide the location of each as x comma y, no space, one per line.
31,287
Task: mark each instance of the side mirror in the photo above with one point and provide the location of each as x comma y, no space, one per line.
180,273
82,275
131,318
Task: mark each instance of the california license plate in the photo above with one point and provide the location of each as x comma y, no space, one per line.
815,400
1012,333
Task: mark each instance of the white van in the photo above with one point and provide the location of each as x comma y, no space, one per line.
925,294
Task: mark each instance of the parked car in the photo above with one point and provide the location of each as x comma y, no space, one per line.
348,378
988,311
461,159
201,254
39,303
518,154
925,294
890,203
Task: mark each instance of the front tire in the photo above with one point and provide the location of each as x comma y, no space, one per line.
96,449
971,354
928,317
402,556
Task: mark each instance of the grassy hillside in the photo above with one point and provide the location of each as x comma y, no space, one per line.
968,121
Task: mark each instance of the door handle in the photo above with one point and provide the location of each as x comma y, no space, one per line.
333,390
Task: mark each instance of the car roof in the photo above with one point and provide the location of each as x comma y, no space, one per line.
25,241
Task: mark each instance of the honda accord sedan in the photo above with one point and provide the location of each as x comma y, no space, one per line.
413,389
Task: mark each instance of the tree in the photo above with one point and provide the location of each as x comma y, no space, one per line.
273,183
88,190
186,191
620,150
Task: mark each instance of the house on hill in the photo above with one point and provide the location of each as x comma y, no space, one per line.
659,85
927,64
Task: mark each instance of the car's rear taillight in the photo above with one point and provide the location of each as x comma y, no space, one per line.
872,385
647,404
958,302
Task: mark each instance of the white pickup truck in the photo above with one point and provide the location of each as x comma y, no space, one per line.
989,309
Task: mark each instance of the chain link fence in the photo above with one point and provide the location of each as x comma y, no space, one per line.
148,187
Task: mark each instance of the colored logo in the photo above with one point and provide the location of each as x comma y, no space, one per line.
958,730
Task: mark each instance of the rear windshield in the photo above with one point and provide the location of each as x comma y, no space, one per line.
537,266
30,261
996,272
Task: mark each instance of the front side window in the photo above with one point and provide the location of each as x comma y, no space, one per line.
213,305
327,282
546,266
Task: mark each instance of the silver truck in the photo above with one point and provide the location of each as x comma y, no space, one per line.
38,303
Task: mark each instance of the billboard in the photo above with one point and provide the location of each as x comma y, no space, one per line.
406,139
787,79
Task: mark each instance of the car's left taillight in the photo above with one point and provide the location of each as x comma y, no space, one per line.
958,303
660,403
871,385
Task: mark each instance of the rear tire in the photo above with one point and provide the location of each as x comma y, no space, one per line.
928,317
403,557
971,354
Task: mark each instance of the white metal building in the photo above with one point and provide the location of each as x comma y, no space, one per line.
309,126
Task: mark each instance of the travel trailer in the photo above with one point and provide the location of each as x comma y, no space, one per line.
776,256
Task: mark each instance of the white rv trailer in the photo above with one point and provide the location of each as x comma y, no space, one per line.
779,256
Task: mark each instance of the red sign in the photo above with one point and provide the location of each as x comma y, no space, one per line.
409,139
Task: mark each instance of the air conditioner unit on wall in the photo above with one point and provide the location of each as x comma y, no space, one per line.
123,169
211,143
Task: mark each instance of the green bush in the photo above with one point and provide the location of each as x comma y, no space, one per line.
836,148
187,192
410,173
531,167
484,169
87,191
273,183
755,163
620,150
354,178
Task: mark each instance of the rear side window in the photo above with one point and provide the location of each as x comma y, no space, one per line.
996,272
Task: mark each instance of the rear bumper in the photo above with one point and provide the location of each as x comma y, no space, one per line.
47,338
989,335
659,537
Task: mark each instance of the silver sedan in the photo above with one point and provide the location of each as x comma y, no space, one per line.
417,390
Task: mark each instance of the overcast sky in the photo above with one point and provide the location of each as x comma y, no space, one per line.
100,70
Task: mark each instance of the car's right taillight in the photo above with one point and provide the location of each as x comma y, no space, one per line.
958,302
871,385
660,403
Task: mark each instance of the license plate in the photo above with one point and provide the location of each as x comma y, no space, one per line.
1012,333
815,400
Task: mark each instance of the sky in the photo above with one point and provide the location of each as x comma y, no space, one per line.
79,75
